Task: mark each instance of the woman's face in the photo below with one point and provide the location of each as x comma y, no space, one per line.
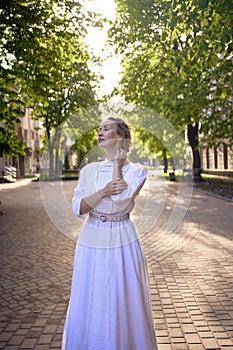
107,135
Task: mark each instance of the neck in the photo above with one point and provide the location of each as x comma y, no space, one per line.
111,157
111,154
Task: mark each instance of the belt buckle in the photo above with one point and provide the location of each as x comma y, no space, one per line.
103,218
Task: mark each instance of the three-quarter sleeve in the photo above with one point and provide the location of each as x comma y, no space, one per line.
79,194
94,176
135,179
86,187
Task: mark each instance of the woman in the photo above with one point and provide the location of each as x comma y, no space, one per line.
109,306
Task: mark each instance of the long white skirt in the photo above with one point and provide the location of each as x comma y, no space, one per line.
109,306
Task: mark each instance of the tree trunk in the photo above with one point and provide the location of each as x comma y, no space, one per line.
81,155
51,160
57,163
56,143
165,161
50,151
66,162
193,140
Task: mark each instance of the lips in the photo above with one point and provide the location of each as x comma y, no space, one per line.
100,139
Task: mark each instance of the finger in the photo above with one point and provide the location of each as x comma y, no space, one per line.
121,152
121,188
122,183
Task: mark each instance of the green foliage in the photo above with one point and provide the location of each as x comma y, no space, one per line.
11,109
148,144
10,143
43,58
177,60
86,146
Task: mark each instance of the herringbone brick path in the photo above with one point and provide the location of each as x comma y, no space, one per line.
190,271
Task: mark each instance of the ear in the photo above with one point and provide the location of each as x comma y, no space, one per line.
120,141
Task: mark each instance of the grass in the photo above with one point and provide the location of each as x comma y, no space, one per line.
219,185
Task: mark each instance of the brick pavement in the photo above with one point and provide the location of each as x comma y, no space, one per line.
190,271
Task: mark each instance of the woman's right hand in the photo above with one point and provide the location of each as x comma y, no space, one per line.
113,187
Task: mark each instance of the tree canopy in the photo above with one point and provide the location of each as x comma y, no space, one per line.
44,63
177,60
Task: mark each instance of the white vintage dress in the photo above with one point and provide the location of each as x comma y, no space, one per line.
109,306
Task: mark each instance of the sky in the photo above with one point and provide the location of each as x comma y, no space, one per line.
96,40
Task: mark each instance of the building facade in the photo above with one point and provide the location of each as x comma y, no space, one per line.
218,160
31,132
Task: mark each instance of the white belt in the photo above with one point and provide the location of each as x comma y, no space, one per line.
105,218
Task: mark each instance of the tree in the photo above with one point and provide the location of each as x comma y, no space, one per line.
44,56
177,61
87,145
150,146
153,134
11,108
61,89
